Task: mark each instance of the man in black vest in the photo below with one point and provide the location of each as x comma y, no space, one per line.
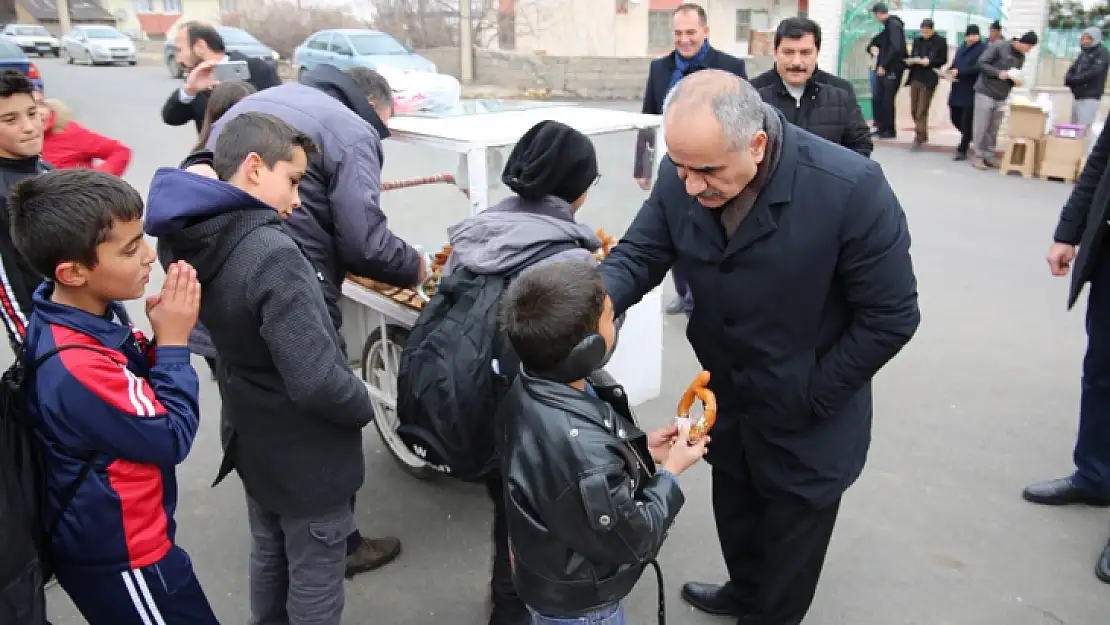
692,52
200,48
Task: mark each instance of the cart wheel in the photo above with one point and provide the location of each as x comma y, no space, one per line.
384,379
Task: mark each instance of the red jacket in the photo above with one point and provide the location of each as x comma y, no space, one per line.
75,146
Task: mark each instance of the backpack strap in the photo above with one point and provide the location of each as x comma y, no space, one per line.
547,252
88,461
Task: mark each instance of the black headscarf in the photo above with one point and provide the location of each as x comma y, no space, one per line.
551,159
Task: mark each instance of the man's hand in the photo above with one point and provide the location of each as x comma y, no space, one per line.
645,183
1004,75
200,78
659,442
1060,256
881,71
173,312
952,71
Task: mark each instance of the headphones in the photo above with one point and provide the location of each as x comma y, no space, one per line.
589,355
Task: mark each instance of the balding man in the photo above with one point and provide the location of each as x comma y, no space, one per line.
798,255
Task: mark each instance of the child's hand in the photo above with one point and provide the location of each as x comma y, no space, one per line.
659,441
173,312
683,456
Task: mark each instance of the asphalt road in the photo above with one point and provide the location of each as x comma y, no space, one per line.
935,533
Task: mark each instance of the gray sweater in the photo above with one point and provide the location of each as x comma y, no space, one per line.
999,57
296,409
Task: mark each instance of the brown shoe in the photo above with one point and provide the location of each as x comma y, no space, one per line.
979,164
373,553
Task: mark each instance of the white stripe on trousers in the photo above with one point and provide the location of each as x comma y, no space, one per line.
133,579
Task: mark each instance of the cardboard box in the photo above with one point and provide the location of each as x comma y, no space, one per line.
1026,121
1052,169
1068,152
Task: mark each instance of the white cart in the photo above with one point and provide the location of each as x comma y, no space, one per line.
476,130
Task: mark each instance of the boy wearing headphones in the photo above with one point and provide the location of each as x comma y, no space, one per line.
587,507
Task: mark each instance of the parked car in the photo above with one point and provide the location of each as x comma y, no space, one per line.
235,39
357,48
13,57
33,38
97,45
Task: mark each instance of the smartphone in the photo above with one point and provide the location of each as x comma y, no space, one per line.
231,71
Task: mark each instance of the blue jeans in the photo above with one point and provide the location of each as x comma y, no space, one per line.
1092,446
612,615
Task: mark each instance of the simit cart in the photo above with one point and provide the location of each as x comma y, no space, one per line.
378,317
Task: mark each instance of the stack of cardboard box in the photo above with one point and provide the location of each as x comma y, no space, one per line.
1024,147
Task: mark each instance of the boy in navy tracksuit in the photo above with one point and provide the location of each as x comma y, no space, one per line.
115,411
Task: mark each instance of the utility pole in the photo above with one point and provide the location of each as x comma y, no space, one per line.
63,17
466,45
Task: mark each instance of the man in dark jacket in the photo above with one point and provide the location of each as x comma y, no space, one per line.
928,54
20,146
295,407
991,90
1083,223
1087,77
961,99
792,88
200,48
800,251
889,66
340,225
692,52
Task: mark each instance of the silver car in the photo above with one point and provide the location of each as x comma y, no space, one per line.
97,45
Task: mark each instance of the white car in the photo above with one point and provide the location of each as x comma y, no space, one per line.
34,39
98,45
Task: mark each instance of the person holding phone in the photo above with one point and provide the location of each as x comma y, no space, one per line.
201,51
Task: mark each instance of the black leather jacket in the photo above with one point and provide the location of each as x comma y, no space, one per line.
586,509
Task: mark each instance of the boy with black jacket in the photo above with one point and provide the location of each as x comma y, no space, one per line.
295,409
20,147
587,509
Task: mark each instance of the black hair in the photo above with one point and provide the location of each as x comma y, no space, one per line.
222,97
549,309
696,8
13,82
880,8
63,215
373,85
996,25
199,31
796,28
272,139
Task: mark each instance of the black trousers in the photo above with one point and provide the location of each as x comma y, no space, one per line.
961,117
886,89
508,609
774,549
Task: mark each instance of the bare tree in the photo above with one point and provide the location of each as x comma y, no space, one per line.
283,25
434,23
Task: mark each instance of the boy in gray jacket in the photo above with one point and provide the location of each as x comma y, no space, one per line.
295,408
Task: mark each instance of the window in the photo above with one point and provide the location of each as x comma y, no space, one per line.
743,24
320,42
339,46
660,30
103,32
376,43
235,36
27,31
172,6
506,30
9,51
143,6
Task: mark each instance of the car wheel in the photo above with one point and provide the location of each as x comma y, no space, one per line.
132,62
57,53
89,59
175,69
69,59
301,73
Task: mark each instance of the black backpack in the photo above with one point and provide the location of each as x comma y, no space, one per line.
24,534
456,367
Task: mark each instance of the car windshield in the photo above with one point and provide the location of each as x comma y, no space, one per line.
237,37
103,33
9,51
376,43
29,31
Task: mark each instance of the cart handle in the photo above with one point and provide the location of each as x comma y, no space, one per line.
416,182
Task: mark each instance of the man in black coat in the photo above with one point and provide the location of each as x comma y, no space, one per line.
797,252
1083,223
963,72
200,48
929,54
692,52
1087,77
792,87
890,63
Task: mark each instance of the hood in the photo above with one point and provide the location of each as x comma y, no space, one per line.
1094,32
338,85
200,219
508,236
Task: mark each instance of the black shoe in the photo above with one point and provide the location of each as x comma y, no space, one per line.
1102,567
713,599
887,135
1062,492
960,156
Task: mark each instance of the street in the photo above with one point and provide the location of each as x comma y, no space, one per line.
982,401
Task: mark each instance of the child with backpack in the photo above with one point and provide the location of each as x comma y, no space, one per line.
587,508
113,411
445,396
